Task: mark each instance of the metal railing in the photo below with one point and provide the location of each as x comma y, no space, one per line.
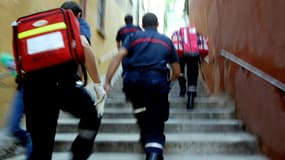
253,69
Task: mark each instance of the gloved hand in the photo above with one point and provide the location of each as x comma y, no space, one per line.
100,98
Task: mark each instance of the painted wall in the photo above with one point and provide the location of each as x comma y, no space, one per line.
254,32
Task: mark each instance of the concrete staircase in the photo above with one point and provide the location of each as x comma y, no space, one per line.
208,132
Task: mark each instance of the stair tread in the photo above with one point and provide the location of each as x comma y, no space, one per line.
120,99
174,109
170,121
140,156
128,110
171,137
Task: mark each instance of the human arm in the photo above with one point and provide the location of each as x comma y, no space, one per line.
90,62
91,68
118,44
118,40
113,66
175,71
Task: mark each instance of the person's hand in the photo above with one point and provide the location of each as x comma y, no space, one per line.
100,98
107,88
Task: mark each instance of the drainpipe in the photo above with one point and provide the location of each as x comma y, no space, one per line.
138,12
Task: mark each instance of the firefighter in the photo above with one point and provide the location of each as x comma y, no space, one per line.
77,11
147,81
126,30
191,58
47,91
54,88
122,33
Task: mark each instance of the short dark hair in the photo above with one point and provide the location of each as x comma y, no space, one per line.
128,19
76,9
150,20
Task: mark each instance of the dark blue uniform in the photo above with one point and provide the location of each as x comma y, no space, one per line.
85,29
147,83
50,90
125,31
122,35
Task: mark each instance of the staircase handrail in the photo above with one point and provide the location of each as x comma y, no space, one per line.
253,69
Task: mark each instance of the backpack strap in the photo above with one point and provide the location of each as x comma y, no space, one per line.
16,50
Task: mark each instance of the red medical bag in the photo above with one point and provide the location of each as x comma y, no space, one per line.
46,39
178,43
190,40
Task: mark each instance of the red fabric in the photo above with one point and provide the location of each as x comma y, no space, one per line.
187,40
29,56
190,39
177,42
203,46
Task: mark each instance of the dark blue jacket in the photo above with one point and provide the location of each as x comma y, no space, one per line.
125,31
85,29
150,49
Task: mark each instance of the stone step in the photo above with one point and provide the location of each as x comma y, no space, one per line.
175,113
140,156
179,104
117,88
172,126
198,99
180,114
197,143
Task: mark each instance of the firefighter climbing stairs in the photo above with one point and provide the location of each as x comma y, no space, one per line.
210,131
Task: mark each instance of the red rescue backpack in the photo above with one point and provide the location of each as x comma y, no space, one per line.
203,46
46,39
177,42
189,41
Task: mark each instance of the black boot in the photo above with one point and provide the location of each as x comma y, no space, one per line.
81,148
190,100
182,84
154,156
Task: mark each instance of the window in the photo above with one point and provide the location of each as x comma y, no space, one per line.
101,17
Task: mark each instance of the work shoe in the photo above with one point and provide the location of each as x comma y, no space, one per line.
182,91
154,156
182,84
190,100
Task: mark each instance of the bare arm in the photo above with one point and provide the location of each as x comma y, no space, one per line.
118,44
175,71
114,66
90,62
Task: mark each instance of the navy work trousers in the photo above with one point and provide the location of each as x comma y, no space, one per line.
148,92
43,102
192,69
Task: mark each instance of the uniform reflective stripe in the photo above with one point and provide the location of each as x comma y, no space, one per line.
192,88
150,40
139,110
153,145
185,35
128,30
47,28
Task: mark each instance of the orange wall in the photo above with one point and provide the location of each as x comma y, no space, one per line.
252,30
